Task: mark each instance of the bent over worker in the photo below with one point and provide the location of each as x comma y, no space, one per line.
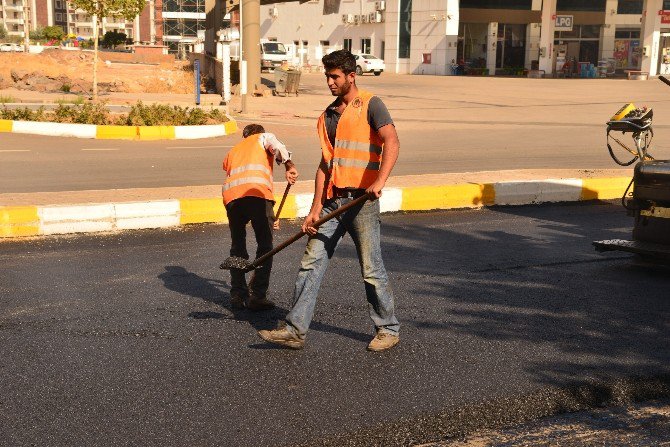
359,146
248,197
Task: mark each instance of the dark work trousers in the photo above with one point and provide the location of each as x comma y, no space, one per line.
259,212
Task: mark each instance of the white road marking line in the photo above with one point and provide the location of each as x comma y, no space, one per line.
198,147
14,150
282,123
101,149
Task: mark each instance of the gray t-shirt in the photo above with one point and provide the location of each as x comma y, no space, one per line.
378,116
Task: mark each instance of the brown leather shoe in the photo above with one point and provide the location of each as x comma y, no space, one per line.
283,337
383,341
259,304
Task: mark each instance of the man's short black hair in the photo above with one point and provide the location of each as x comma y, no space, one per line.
252,129
341,59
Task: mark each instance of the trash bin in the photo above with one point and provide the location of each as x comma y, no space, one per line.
286,81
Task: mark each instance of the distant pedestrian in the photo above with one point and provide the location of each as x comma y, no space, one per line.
248,197
359,146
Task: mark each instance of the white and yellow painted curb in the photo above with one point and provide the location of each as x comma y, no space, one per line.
119,132
62,219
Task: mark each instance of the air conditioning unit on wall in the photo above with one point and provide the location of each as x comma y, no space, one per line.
274,12
365,18
378,17
380,6
347,18
357,19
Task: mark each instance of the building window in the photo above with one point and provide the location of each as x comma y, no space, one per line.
59,17
666,5
627,34
580,5
324,43
629,7
496,4
347,45
405,29
366,45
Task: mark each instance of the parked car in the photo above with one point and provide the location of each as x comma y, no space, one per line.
367,63
7,47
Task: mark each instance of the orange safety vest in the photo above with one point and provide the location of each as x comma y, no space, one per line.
249,169
355,159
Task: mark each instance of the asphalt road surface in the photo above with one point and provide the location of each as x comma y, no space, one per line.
445,124
507,313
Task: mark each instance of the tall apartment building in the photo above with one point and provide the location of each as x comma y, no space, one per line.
12,17
145,28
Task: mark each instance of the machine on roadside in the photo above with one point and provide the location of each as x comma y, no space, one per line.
649,201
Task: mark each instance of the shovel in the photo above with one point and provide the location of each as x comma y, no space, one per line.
283,199
237,263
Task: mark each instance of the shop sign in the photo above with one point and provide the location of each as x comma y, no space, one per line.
564,22
665,16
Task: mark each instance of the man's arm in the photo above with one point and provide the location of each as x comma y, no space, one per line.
389,136
320,184
282,155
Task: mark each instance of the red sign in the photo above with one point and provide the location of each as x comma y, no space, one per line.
665,17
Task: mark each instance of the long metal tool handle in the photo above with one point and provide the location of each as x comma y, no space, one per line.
664,79
283,199
316,224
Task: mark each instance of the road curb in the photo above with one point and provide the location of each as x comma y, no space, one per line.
23,221
119,132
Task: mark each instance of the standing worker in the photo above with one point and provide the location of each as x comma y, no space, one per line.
354,132
248,197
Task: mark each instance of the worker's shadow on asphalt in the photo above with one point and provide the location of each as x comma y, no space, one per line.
215,291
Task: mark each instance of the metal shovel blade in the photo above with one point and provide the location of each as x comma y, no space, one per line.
237,263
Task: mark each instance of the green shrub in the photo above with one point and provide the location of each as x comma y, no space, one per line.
23,114
81,112
5,99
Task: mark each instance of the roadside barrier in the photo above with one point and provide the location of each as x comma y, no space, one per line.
119,132
86,218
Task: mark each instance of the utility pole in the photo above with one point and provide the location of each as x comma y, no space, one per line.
250,36
26,27
152,22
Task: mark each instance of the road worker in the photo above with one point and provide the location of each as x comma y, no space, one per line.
248,197
359,147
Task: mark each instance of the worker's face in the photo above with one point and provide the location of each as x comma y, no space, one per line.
338,82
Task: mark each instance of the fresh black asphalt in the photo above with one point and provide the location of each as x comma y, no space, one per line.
507,314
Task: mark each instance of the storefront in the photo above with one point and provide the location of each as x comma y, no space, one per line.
582,43
471,49
511,51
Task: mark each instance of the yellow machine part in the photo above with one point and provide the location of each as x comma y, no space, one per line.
623,111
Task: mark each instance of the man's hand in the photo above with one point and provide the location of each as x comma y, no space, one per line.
376,189
309,221
275,225
291,172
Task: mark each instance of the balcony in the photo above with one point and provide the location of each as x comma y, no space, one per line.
14,7
14,20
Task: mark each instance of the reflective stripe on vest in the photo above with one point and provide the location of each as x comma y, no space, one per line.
246,180
353,163
250,167
358,146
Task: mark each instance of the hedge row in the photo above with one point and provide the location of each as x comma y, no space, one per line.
99,114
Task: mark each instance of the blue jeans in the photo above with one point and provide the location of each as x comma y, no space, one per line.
362,223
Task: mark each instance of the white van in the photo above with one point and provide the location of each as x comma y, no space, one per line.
273,55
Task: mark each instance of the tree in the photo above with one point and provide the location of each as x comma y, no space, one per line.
54,32
37,34
3,31
114,38
97,9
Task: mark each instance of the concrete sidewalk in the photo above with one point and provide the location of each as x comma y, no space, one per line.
35,214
